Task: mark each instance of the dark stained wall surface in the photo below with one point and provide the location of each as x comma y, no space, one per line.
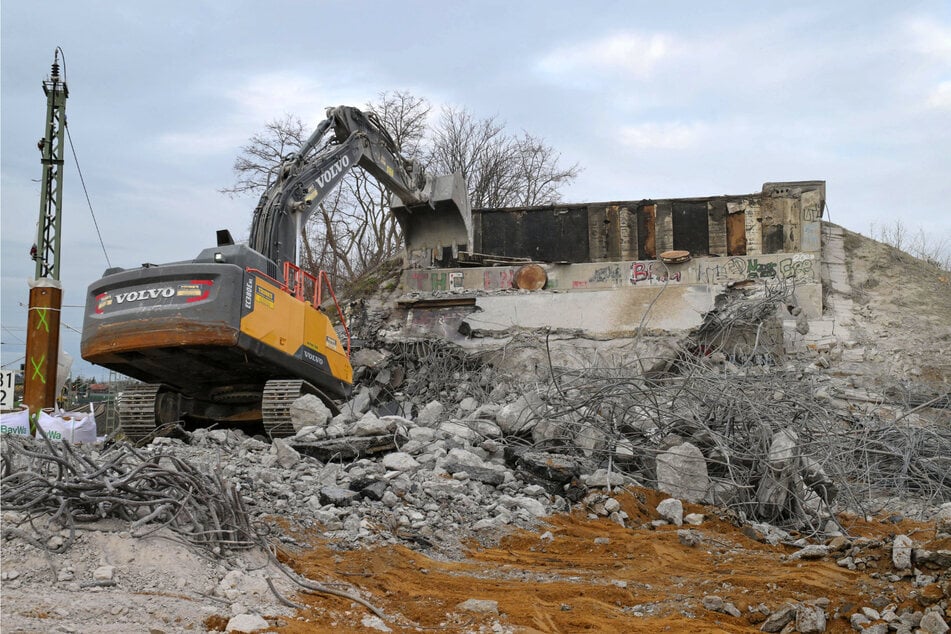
691,229
599,232
558,234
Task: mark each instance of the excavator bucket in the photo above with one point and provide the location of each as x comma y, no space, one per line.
435,231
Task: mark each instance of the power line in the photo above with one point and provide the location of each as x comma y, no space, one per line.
83,183
12,362
10,332
61,323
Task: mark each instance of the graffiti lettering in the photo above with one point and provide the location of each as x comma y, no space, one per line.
650,273
756,270
497,279
606,274
438,281
796,268
417,280
733,269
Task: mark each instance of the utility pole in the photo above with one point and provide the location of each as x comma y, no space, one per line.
46,292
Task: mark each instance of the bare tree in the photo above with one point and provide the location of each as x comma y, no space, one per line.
259,160
930,246
501,170
353,231
540,174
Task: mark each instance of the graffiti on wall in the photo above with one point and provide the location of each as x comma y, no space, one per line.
798,268
653,273
607,274
498,278
436,280
810,213
730,270
492,280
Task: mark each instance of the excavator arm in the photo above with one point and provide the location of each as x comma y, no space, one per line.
345,139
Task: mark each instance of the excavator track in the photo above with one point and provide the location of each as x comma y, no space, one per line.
138,414
276,403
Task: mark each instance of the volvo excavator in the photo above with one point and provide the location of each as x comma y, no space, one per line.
236,335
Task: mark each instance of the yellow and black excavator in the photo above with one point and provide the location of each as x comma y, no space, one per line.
237,334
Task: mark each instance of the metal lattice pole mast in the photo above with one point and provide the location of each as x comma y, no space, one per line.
46,293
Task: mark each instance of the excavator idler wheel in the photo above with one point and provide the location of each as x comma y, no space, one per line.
145,409
276,404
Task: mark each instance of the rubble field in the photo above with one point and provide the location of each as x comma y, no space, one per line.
762,472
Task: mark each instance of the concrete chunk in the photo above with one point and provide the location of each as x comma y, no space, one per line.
682,473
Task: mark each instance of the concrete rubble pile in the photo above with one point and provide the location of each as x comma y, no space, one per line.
442,442
437,446
725,418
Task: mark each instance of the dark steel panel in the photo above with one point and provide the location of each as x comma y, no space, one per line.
646,232
773,239
691,232
549,235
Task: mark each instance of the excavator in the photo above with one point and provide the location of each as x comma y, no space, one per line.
237,334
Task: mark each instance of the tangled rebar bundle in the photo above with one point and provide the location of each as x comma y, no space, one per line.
56,485
772,450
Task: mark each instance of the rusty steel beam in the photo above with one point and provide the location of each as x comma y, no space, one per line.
42,349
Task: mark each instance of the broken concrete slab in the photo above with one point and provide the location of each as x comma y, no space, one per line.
549,468
348,447
521,414
459,460
371,425
682,472
309,410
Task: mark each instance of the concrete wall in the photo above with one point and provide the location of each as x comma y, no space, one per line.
798,268
612,298
614,313
603,278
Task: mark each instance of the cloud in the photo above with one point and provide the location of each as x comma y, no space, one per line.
243,107
271,95
628,53
245,104
940,98
662,136
930,38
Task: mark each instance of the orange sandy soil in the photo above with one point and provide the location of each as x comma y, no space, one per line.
567,585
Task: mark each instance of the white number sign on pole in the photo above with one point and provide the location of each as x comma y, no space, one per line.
6,389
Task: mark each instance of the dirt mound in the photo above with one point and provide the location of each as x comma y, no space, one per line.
902,316
581,574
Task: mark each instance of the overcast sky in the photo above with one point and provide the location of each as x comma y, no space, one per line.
652,99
